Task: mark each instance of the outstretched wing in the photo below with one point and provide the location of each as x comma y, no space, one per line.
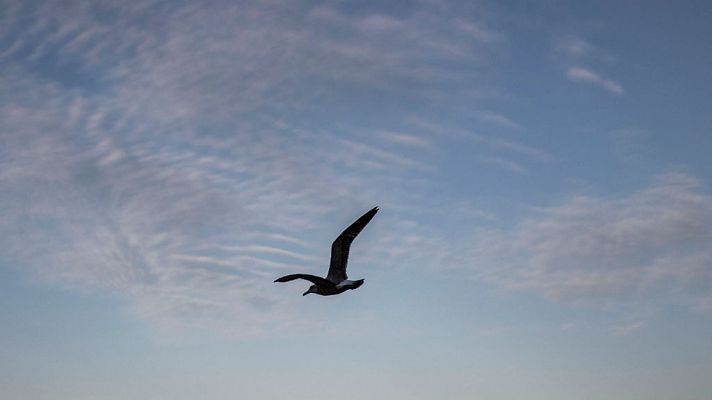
317,280
342,244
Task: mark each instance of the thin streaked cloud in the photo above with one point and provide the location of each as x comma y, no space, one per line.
574,46
498,119
164,172
404,139
269,250
650,244
521,148
628,328
579,74
502,163
162,163
154,148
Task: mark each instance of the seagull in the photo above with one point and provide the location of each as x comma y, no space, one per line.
336,280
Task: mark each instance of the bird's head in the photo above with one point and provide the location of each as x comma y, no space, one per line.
312,289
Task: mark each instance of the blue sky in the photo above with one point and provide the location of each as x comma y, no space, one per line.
542,170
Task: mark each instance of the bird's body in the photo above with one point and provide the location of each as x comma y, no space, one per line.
336,280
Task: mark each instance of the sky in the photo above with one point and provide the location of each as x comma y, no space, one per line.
542,171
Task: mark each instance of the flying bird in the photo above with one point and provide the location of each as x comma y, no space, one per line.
336,280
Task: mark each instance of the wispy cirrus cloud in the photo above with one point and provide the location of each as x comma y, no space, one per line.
576,47
165,152
498,119
404,139
573,45
190,230
513,149
627,328
153,151
521,148
579,74
507,164
651,244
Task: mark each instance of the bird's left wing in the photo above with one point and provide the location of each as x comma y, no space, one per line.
341,246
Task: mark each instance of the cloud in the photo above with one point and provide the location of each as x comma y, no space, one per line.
628,328
652,244
388,49
521,148
190,228
478,31
159,152
578,74
493,143
498,119
404,139
502,163
574,46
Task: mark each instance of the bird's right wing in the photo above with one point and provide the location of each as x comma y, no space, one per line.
317,280
341,246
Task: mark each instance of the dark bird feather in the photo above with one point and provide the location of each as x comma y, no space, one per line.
336,279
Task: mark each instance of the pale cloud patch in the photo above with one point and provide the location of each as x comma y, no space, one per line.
478,31
579,74
502,163
442,130
498,119
404,139
404,47
628,328
454,133
380,157
632,144
269,250
190,228
574,46
652,244
166,180
521,148
704,304
380,23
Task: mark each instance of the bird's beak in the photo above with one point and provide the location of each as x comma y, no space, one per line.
306,293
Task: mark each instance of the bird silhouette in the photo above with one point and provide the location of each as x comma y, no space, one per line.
336,280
